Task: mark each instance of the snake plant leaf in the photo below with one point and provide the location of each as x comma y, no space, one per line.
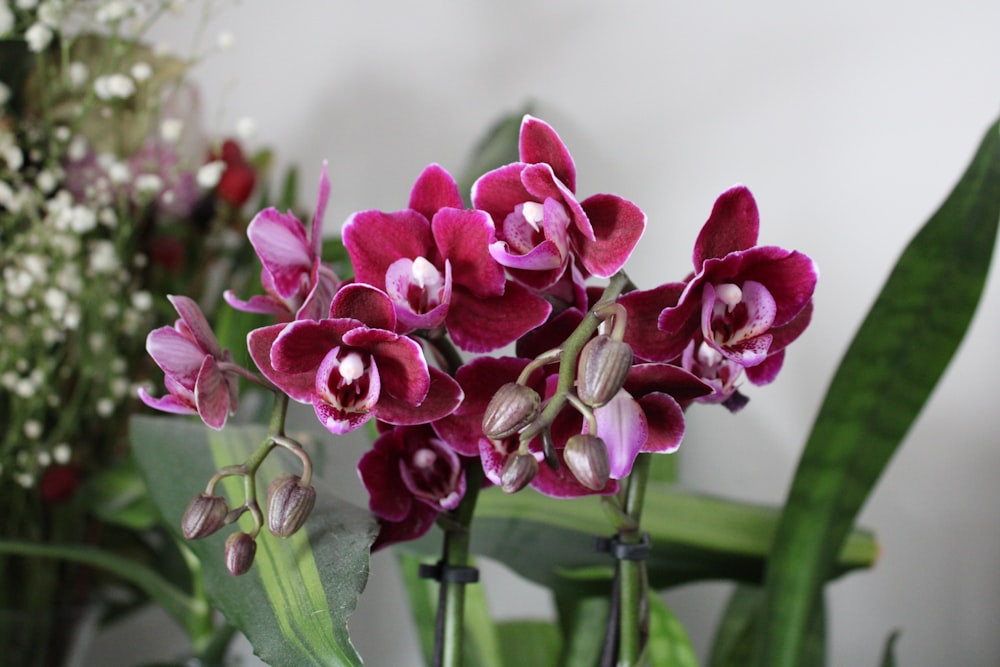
669,644
583,622
891,367
294,603
535,643
497,147
694,538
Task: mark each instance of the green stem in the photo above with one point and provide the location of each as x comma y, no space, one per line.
633,591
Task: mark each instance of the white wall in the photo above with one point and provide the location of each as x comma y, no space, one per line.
850,122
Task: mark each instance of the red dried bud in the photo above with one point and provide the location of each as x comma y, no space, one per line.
203,516
518,471
604,364
288,504
513,407
240,551
58,483
586,457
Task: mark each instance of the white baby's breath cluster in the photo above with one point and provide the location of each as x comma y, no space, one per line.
87,154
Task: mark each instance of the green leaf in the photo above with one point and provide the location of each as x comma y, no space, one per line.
887,374
534,643
499,146
294,603
118,496
695,538
734,635
669,644
583,622
422,595
889,652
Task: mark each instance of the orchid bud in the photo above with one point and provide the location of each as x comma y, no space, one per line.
587,458
513,407
240,550
288,504
518,471
604,364
203,516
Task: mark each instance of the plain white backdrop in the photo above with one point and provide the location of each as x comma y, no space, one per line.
850,122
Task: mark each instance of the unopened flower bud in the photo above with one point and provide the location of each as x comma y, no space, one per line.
288,504
518,471
203,516
240,550
587,458
513,407
604,363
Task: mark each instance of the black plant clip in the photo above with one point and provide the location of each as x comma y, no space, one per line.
620,550
451,574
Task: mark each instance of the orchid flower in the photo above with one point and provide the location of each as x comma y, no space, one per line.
297,284
193,365
432,259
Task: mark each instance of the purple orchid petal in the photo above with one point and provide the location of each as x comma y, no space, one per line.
621,423
463,238
338,421
322,197
483,325
541,182
348,381
617,226
299,386
766,371
434,190
493,455
443,396
172,403
538,142
264,304
419,294
544,257
363,303
196,324
302,345
642,332
665,419
733,225
561,483
432,472
644,379
747,353
176,354
317,303
400,361
374,240
416,524
380,474
281,244
497,192
211,395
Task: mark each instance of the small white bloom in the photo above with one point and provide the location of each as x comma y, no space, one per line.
4,90
24,388
56,301
142,300
77,149
102,257
170,129
246,128
51,12
112,86
209,174
148,184
26,4
78,74
6,196
38,37
6,19
112,11
141,71
24,479
32,429
63,133
46,181
225,40
44,459
62,453
13,156
82,219
105,407
119,172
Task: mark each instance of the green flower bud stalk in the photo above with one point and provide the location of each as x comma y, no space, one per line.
518,471
240,551
288,504
513,407
203,516
586,457
604,364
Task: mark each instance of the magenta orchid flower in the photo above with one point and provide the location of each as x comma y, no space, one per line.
352,366
193,364
743,305
542,229
433,261
297,284
411,476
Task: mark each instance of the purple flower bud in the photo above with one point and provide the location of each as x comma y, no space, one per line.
604,364
513,407
288,505
203,516
240,550
587,458
517,472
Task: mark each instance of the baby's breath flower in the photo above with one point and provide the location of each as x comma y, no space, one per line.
209,174
225,40
38,37
32,429
26,4
44,459
111,86
4,90
246,128
111,12
6,19
62,453
142,300
78,74
148,184
170,129
105,407
141,71
102,257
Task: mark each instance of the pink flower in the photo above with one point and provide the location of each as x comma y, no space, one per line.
191,360
433,261
297,284
541,227
352,366
411,476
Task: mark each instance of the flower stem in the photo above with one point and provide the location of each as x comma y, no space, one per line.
632,573
449,628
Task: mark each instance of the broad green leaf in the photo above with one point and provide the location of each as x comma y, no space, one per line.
422,596
534,643
887,374
294,603
497,148
694,537
118,495
669,644
583,623
732,645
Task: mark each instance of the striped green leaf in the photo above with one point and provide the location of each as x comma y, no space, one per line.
294,603
887,374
